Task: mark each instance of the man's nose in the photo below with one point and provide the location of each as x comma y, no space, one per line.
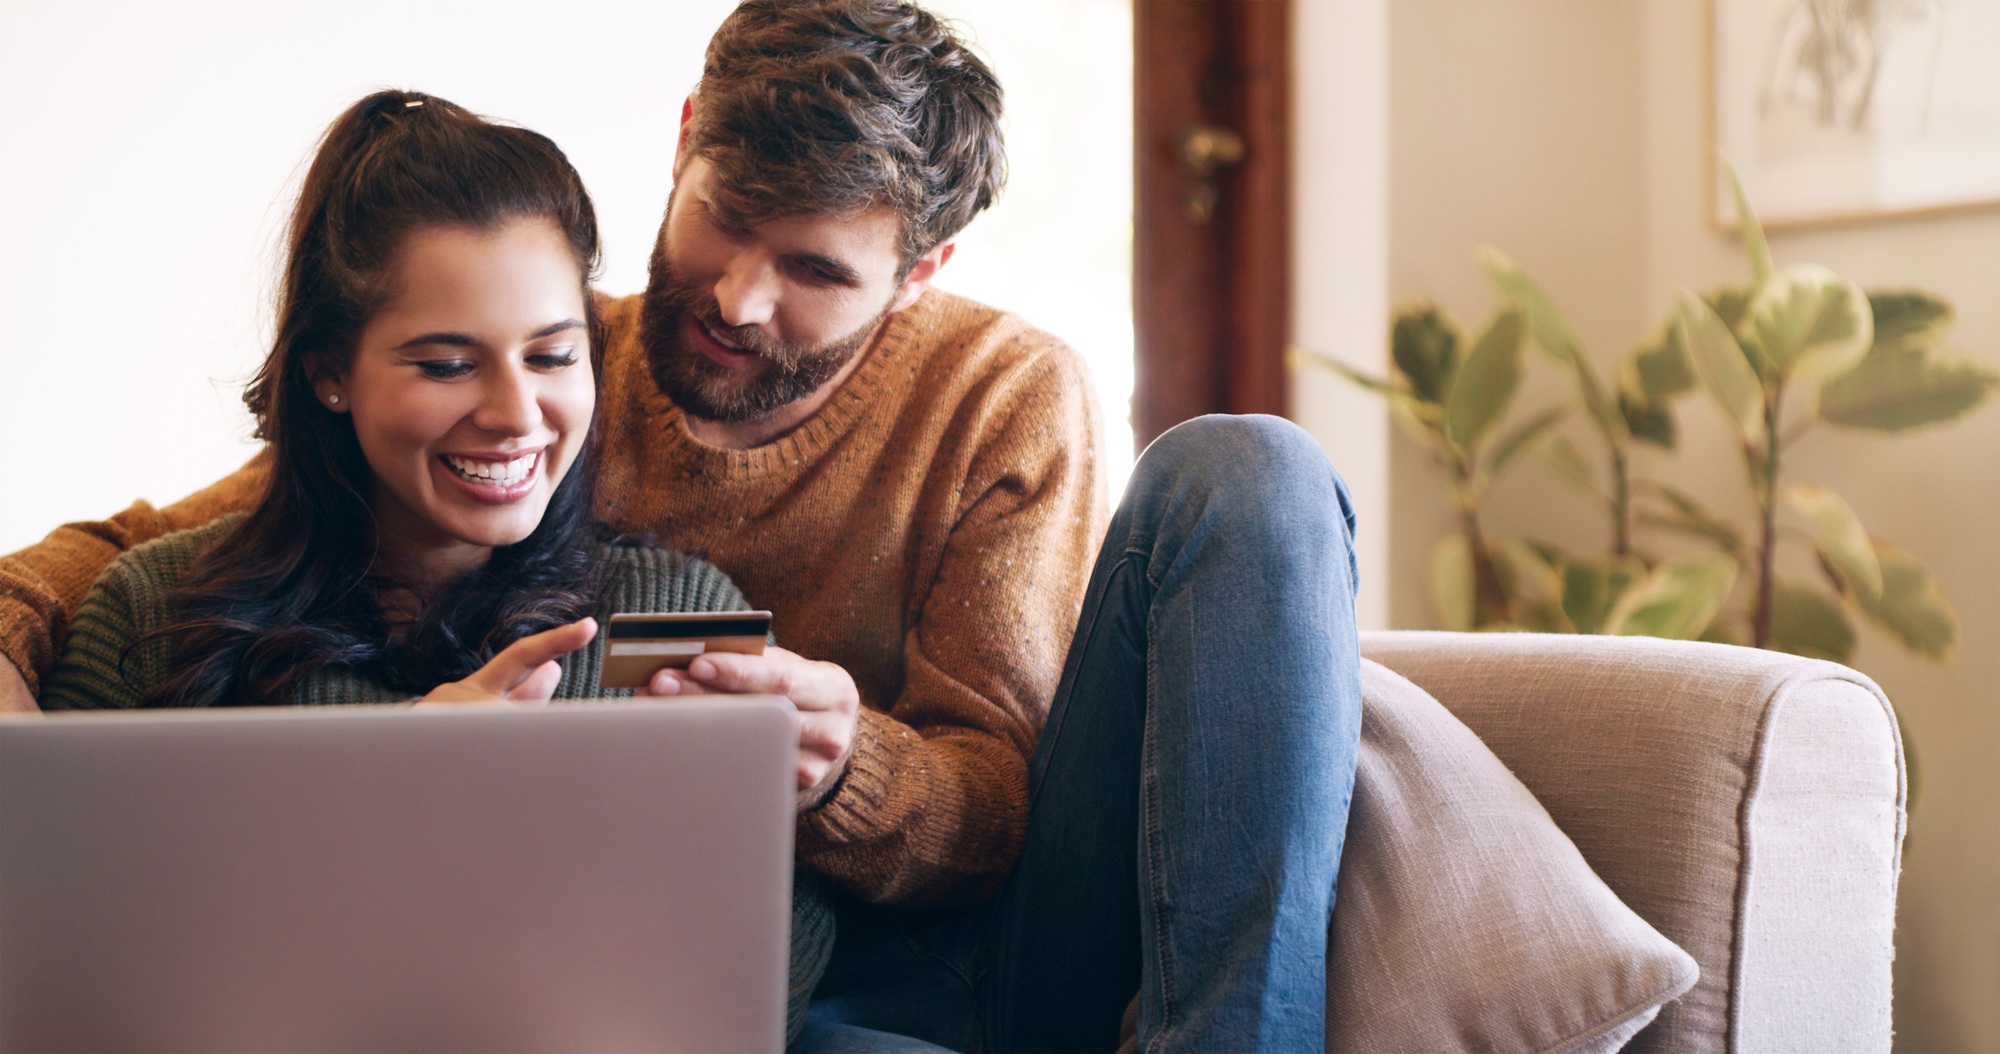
747,292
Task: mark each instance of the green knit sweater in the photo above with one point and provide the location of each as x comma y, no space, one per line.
130,600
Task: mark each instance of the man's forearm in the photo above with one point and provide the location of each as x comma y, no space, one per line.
921,821
41,585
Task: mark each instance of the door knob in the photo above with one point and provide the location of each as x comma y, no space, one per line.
1206,150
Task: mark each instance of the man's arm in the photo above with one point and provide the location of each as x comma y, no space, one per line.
42,585
932,806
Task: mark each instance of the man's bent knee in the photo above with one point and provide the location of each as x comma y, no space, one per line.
1252,463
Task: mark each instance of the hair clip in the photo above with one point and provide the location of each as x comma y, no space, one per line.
411,104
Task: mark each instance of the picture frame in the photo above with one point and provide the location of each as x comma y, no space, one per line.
1834,111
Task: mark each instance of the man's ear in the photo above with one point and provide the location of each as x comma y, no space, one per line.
921,273
681,140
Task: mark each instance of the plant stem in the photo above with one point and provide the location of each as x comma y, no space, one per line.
1621,503
1767,507
1489,603
1489,600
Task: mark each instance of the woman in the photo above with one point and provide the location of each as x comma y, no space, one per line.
428,405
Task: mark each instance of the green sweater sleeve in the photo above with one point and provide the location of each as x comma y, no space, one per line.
108,661
630,578
97,669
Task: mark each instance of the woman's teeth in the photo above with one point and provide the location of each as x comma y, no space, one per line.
493,473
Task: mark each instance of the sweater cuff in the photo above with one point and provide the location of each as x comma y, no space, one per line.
26,639
858,801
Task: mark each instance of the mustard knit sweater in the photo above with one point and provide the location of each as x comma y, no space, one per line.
931,530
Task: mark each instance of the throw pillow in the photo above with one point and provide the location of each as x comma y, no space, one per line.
1465,919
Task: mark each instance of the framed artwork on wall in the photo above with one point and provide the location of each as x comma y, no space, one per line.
1836,110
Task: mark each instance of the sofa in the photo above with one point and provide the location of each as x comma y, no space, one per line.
1600,843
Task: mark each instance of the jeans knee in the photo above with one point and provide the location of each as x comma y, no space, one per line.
1262,471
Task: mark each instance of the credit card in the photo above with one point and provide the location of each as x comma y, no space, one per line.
638,645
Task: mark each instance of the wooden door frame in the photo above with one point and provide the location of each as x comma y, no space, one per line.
1211,301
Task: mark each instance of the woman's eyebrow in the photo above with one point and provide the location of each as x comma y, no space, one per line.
462,340
554,328
467,340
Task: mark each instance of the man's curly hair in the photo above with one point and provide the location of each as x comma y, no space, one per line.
838,106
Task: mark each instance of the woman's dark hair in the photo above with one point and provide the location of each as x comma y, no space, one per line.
295,588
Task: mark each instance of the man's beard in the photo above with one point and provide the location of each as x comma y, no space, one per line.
707,390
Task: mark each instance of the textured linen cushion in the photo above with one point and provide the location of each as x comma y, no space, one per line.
1466,920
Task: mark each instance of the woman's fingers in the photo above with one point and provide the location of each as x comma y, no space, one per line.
525,670
539,685
511,669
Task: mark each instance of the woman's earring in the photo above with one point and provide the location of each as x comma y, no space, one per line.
333,400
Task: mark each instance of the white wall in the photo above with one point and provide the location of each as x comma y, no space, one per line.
1572,134
1340,261
152,151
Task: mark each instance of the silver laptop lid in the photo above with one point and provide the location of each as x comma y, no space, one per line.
574,877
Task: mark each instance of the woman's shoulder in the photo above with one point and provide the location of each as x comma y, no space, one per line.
648,578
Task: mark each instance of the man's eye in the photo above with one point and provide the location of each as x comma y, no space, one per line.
819,275
445,369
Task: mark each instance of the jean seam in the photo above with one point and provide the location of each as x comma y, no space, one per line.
1150,822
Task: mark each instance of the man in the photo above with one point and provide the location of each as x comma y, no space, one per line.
908,481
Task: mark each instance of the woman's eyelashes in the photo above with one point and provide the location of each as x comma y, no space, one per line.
553,360
456,369
444,369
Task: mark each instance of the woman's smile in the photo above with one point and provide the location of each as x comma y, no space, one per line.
495,479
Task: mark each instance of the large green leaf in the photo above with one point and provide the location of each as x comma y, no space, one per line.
1754,245
1898,387
1689,516
1424,346
1482,386
1908,318
1651,422
1452,586
1676,600
1911,606
1590,588
1838,535
1811,323
1730,303
1519,439
1536,574
1723,366
1561,456
1805,621
1553,334
1660,368
1324,361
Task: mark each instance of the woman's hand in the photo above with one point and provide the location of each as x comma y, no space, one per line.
525,672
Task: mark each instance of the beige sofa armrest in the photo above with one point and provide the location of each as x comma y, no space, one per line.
1747,804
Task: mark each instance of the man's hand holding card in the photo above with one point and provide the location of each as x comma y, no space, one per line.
703,653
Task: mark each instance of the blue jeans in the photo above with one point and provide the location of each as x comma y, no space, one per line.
1188,796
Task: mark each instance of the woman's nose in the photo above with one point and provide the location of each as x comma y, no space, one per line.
509,405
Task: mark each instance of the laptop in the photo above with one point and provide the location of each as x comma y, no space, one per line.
607,876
